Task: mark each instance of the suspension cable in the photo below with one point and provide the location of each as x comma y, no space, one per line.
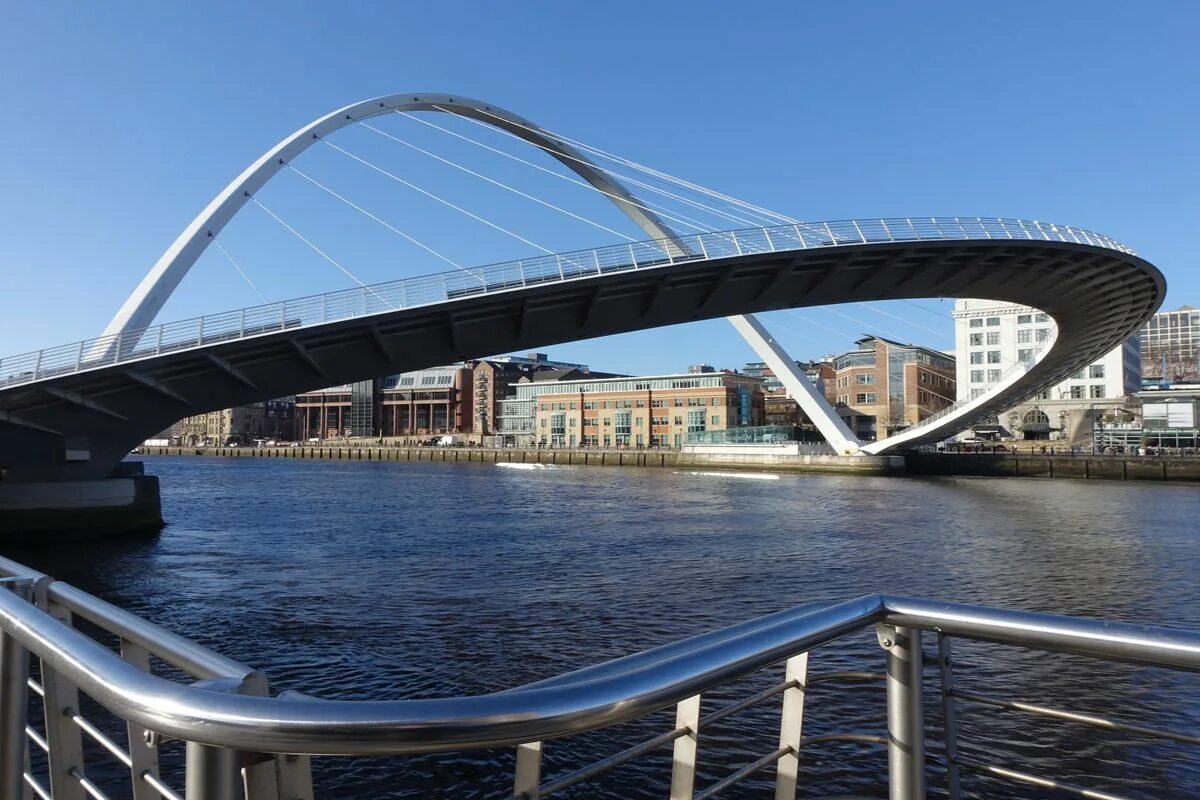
241,272
745,207
384,223
447,161
441,200
589,164
319,251
646,205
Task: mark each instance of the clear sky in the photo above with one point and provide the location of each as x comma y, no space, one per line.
122,120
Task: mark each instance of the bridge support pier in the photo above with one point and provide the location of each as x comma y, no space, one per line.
802,390
51,512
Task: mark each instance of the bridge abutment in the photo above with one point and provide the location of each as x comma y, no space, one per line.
50,512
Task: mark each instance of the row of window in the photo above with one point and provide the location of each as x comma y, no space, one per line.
624,421
591,405
994,322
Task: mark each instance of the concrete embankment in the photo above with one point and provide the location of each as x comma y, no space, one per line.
778,459
774,459
999,465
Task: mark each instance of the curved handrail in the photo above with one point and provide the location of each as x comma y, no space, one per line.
586,700
262,320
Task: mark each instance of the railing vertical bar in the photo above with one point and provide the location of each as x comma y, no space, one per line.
141,753
14,700
791,727
63,736
949,721
860,233
683,761
529,770
906,720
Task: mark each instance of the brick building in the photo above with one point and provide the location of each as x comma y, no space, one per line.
883,386
649,411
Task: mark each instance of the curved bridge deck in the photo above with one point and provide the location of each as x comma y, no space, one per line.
116,390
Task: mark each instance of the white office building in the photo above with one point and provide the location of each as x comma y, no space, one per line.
992,337
1171,345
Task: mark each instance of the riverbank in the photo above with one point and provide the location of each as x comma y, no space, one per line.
1090,467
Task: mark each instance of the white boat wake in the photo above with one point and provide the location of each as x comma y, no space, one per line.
751,476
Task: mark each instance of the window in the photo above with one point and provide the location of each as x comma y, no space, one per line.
716,419
993,337
976,323
1025,336
993,322
1076,392
1024,319
678,402
993,375
1043,334
695,422
1043,317
1077,375
865,397
679,420
1097,391
976,339
977,357
1096,371
658,404
866,377
621,427
993,356
976,376
1024,356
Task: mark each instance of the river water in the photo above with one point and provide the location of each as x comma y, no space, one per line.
391,579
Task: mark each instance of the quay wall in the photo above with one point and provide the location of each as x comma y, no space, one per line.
591,458
1087,467
1020,465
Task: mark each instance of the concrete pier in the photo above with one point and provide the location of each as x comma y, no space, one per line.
56,511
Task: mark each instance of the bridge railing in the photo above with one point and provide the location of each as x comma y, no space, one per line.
363,301
219,734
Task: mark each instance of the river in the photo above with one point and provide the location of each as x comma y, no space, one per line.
348,579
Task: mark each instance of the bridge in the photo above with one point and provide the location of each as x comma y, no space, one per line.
69,414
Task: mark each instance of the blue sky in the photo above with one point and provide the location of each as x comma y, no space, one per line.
121,121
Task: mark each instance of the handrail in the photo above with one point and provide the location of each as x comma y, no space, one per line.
382,298
585,700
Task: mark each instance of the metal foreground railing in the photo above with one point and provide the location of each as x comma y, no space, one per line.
411,292
232,739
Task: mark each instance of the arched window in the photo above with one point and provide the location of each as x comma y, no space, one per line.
1035,417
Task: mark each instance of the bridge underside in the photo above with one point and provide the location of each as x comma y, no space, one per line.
1098,297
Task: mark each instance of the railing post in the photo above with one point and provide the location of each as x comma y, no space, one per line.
37,365
158,343
141,751
62,734
199,336
14,700
214,773
787,769
529,770
906,719
949,721
683,762
736,243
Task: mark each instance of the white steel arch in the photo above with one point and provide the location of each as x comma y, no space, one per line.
141,307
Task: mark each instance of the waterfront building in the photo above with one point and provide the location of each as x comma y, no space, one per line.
336,412
883,386
427,402
642,411
268,420
991,337
1171,345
